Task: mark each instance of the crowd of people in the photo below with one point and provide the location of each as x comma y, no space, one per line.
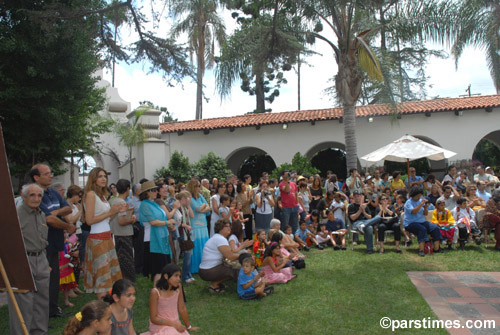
254,234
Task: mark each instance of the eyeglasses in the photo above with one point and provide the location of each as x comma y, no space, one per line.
153,190
171,184
383,199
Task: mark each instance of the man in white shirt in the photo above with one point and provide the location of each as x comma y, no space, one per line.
483,176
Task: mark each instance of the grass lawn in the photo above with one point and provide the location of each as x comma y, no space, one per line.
341,292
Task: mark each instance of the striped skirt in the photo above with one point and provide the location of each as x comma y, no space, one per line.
101,264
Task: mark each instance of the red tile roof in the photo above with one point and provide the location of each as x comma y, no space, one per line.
409,107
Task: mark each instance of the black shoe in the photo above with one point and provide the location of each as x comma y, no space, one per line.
408,243
336,247
440,251
319,247
450,246
421,253
306,248
369,252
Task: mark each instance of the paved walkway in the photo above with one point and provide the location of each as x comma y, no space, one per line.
464,296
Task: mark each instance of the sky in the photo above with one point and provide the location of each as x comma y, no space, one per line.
135,84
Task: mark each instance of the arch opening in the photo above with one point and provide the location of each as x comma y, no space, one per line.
329,156
487,151
250,160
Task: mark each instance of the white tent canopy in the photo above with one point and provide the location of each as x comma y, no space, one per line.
406,149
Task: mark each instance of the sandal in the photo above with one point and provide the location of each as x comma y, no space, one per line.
215,290
381,251
399,251
269,290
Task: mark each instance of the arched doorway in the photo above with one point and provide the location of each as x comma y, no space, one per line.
250,160
487,150
329,156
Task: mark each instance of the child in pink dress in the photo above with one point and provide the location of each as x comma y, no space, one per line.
274,265
166,302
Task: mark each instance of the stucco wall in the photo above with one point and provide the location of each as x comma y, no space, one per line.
456,133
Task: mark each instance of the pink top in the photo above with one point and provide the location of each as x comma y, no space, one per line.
167,309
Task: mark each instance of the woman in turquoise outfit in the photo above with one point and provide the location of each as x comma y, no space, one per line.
199,223
151,213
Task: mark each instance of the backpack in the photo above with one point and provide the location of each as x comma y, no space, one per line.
299,264
428,248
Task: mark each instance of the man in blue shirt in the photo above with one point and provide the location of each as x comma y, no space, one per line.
415,221
413,179
481,191
55,208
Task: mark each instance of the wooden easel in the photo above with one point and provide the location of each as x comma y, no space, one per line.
10,290
13,258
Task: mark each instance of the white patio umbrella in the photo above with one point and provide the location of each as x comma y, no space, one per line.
406,149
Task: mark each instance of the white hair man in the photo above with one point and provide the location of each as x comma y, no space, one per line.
34,305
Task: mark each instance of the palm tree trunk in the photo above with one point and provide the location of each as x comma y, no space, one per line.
350,137
259,92
199,88
72,170
298,81
200,71
348,84
131,165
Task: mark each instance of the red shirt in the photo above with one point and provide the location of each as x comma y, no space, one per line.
288,199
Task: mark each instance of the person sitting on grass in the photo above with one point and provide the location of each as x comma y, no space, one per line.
287,240
236,242
121,299
251,285
443,218
304,235
336,229
313,221
465,218
166,302
274,265
259,246
95,318
415,222
292,256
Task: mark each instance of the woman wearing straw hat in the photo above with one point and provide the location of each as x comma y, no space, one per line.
154,220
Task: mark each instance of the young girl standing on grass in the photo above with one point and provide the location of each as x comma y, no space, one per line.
166,302
122,299
95,318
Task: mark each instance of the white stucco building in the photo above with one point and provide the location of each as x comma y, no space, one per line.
457,124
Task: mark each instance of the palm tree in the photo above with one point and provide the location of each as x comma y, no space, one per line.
352,52
204,27
132,134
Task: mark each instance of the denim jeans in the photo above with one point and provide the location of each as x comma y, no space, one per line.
290,217
368,230
423,229
186,265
